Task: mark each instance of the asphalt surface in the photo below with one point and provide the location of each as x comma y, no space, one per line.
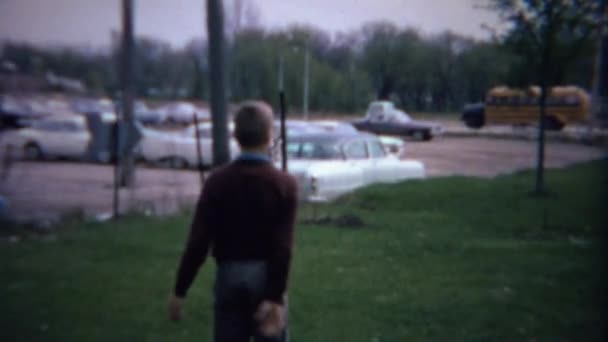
48,190
488,157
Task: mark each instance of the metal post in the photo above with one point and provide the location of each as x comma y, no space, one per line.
280,81
199,158
127,169
598,104
540,161
306,83
283,131
116,141
215,27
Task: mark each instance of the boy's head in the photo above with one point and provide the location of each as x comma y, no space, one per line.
253,125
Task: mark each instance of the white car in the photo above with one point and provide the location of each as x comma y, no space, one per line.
57,136
329,165
183,112
393,145
178,149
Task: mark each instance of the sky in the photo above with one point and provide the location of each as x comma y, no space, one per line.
89,22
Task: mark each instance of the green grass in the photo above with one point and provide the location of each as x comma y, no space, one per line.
450,259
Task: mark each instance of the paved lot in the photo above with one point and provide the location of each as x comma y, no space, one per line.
46,189
487,157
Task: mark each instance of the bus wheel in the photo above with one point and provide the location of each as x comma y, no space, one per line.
473,123
553,124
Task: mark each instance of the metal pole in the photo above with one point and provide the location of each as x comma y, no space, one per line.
283,131
282,117
540,161
598,103
116,140
306,83
199,158
280,81
127,170
215,27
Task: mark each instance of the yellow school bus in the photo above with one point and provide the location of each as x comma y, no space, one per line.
510,106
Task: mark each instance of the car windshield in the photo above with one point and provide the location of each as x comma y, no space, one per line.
314,150
400,116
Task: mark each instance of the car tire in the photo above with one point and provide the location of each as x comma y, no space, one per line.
473,123
177,163
422,135
32,151
553,124
427,136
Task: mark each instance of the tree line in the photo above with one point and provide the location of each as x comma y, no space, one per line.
380,60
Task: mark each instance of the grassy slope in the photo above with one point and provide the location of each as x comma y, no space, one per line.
456,259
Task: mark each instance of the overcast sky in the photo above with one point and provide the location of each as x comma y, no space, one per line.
89,22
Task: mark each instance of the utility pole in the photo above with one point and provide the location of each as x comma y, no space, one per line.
215,28
306,82
599,109
127,167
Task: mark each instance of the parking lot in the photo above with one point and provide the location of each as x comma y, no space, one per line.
50,189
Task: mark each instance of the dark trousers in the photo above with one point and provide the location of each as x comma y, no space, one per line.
239,289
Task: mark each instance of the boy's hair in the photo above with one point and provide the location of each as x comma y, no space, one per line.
253,124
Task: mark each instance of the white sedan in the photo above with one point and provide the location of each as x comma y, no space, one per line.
393,145
178,149
329,165
57,136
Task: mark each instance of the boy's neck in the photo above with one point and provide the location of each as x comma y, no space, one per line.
255,150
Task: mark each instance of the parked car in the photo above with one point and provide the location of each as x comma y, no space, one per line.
329,165
15,112
393,145
183,112
57,136
178,149
384,119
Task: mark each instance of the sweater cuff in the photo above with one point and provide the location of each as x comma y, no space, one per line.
277,299
179,293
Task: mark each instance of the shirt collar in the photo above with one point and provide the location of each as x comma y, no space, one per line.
254,156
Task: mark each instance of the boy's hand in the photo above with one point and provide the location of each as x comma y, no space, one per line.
271,318
175,307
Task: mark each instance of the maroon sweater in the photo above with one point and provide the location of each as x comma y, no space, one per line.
246,212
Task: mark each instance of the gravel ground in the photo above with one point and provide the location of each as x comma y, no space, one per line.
46,190
488,157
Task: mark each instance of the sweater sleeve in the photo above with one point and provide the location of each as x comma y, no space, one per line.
197,245
281,246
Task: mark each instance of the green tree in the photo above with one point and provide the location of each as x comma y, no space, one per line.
548,36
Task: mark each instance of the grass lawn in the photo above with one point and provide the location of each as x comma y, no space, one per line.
449,259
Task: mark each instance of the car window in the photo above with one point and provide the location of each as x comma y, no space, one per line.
293,150
376,109
72,126
49,126
204,132
307,150
376,150
356,150
314,150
